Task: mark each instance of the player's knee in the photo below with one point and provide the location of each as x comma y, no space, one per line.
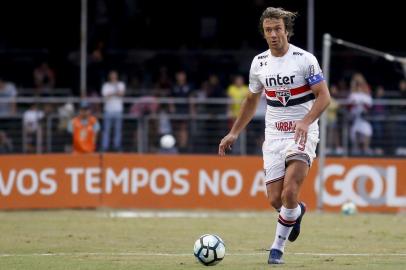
275,202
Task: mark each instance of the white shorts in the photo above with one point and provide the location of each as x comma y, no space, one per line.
277,152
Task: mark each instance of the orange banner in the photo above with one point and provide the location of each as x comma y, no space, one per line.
187,182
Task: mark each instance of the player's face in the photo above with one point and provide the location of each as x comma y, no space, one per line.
275,34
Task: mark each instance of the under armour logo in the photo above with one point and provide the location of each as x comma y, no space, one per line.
281,237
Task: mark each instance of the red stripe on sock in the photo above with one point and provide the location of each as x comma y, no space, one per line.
289,222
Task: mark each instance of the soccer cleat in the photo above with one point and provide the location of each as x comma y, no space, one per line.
296,228
275,257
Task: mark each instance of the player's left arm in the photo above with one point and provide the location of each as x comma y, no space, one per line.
320,90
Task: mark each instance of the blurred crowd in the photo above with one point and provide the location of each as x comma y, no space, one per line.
374,127
358,123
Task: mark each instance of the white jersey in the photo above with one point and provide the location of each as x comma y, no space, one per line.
286,81
113,101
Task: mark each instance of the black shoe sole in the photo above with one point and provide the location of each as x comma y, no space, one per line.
295,233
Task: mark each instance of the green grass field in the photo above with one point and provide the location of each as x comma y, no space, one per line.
93,240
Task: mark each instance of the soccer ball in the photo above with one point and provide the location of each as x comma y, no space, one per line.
209,249
349,208
167,141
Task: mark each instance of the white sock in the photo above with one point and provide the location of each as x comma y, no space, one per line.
286,220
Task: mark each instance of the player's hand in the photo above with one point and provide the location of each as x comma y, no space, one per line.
301,128
226,143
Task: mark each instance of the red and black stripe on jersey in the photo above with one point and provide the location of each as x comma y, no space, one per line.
292,101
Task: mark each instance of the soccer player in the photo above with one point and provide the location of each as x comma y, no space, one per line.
297,94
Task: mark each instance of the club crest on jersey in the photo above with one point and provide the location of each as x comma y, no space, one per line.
283,95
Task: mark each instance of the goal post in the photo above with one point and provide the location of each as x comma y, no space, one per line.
323,124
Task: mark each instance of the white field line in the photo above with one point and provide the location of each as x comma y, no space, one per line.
129,254
185,214
182,214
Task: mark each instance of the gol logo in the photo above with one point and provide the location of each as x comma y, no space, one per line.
353,185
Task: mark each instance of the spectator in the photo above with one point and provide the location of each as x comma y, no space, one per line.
342,89
84,129
215,109
360,102
182,89
202,127
134,87
146,105
163,82
165,126
200,98
8,93
32,129
65,114
44,79
237,91
6,145
95,107
113,91
216,91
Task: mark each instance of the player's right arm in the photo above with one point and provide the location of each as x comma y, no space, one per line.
246,113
